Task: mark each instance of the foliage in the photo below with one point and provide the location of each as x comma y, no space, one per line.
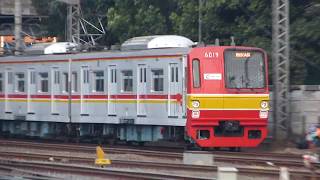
249,21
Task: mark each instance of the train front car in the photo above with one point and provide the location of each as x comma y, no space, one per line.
227,96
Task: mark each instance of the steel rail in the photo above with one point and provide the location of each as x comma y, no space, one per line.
268,171
277,159
91,171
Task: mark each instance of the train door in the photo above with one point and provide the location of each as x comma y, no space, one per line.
8,89
141,89
31,90
112,90
173,90
84,89
55,90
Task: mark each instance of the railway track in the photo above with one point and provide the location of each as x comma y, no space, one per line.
156,166
87,171
261,159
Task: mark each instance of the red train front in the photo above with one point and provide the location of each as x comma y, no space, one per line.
227,96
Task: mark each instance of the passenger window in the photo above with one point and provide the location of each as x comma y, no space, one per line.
44,82
99,81
196,73
1,80
157,79
20,82
127,81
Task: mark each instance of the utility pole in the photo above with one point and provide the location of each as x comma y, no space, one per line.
73,20
73,25
17,26
281,69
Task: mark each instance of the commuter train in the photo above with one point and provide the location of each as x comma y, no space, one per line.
155,88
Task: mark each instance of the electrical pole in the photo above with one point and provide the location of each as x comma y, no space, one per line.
17,26
281,69
73,20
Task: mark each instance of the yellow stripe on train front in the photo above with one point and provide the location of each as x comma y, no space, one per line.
228,101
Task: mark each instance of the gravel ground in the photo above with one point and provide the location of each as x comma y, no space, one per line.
134,157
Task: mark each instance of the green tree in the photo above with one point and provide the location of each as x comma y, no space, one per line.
54,20
135,18
249,21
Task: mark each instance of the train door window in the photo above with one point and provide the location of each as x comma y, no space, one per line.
65,86
20,82
56,77
85,75
143,75
99,81
1,84
10,77
174,74
113,76
44,82
157,80
32,77
127,81
196,73
74,87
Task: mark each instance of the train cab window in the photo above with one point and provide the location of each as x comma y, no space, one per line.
44,82
99,81
196,73
157,79
20,82
127,81
1,84
74,87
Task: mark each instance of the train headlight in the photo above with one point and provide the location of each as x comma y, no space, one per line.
195,104
264,104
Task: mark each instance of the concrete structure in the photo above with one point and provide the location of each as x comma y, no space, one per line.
227,173
284,173
7,7
305,108
198,158
29,18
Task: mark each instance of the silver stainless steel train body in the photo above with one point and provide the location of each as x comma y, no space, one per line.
129,95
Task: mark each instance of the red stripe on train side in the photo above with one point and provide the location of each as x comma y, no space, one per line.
178,97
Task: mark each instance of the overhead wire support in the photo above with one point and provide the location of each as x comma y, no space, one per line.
281,69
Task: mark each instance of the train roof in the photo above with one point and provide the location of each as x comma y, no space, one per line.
97,55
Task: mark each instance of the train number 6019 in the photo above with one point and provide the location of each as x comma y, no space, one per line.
211,54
